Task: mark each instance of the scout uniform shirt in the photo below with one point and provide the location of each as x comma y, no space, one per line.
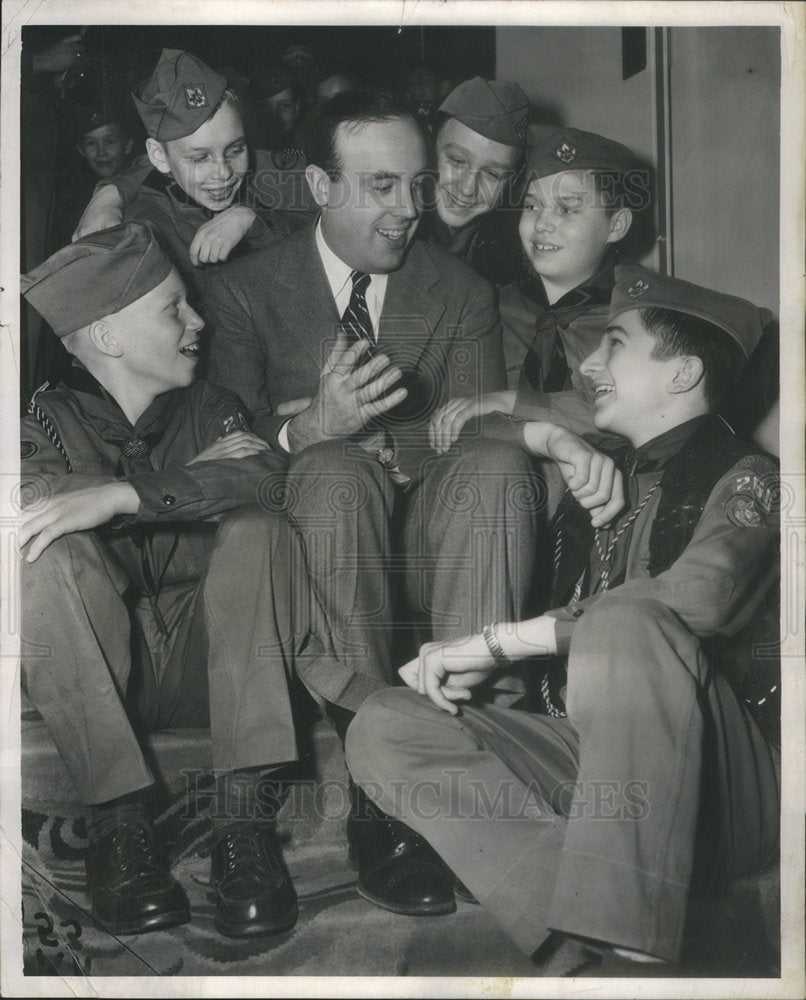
723,582
76,436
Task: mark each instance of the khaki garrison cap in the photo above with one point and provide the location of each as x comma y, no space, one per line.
180,95
638,288
555,149
96,276
494,108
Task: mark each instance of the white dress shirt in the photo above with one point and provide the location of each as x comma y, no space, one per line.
338,276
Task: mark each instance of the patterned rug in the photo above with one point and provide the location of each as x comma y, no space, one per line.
338,933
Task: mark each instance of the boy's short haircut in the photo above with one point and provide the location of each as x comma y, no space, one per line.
679,334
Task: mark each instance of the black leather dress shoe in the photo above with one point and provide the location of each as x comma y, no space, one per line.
255,894
130,888
397,869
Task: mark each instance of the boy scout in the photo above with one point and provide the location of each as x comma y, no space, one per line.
104,146
480,144
662,780
145,556
195,184
577,207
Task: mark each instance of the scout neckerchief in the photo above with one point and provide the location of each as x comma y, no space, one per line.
553,318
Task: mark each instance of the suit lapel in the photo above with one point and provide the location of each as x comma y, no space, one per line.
306,307
411,309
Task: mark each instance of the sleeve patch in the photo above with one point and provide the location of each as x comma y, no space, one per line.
743,511
28,449
764,490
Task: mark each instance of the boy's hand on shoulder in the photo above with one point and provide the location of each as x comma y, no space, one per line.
241,444
216,239
591,477
80,510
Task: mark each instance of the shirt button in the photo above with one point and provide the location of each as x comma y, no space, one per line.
168,499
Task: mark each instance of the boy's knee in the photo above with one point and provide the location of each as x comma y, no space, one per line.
616,617
371,736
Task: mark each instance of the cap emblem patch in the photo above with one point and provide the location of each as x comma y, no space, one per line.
520,129
565,152
637,288
195,96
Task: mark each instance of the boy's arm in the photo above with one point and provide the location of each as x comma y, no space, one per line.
58,503
234,467
110,198
717,583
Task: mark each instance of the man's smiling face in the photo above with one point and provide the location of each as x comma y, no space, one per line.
371,210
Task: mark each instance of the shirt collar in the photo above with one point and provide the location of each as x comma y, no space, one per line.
655,453
338,273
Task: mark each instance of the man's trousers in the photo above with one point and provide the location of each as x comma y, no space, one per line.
438,558
598,825
231,616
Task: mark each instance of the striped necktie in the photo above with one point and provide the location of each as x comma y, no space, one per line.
356,321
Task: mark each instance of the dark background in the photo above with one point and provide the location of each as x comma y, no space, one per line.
379,54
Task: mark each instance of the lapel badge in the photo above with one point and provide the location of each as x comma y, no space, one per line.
638,288
565,152
195,96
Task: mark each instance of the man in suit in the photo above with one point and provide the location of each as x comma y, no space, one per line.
342,340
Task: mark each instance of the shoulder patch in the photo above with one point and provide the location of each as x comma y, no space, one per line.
28,449
743,511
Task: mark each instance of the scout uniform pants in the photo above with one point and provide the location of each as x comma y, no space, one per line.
231,625
588,825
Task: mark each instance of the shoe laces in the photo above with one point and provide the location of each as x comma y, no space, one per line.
246,852
134,846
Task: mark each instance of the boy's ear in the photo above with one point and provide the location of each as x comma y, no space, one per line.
620,222
103,339
156,153
319,183
80,151
688,374
129,145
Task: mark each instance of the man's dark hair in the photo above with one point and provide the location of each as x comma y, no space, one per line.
679,334
354,108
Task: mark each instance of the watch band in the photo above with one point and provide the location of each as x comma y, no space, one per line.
490,633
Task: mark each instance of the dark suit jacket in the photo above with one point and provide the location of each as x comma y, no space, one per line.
275,320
